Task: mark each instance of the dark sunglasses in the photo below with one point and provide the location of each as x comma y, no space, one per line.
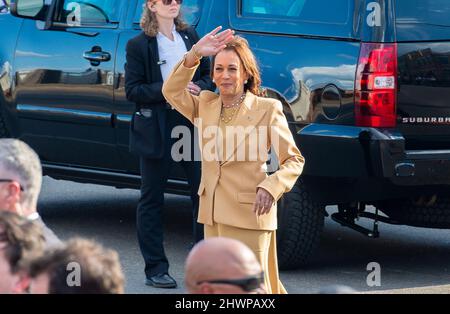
10,180
169,2
247,284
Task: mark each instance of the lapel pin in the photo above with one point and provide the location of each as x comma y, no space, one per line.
185,36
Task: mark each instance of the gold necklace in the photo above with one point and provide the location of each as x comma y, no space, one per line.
225,116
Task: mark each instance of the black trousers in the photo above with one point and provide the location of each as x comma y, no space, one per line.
154,174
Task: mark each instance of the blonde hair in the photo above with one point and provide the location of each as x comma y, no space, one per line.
240,46
149,22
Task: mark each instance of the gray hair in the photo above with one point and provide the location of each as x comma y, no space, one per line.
21,160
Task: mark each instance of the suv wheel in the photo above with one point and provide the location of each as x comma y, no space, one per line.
300,225
430,211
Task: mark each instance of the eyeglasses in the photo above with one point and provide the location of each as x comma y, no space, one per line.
247,284
10,180
169,2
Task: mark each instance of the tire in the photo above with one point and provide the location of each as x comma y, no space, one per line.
300,226
429,212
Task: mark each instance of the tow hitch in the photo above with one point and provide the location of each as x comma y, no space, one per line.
349,213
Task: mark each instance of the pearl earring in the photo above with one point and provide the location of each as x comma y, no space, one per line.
246,81
213,80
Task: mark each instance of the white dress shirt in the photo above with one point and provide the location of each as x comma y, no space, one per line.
170,52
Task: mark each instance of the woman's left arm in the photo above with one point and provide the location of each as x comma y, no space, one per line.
290,159
205,81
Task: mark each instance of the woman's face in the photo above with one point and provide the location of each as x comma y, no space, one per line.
165,11
229,74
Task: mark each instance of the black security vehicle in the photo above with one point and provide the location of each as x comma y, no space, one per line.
365,86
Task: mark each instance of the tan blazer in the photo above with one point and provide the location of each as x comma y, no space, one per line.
228,188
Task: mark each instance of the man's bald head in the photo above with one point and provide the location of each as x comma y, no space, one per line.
219,258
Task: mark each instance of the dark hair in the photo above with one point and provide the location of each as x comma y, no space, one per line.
100,270
240,46
24,240
149,23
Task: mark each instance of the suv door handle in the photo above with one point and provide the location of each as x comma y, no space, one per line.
96,55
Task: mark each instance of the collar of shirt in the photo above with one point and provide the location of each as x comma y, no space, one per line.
161,36
170,52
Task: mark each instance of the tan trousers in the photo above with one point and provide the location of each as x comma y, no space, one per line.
262,243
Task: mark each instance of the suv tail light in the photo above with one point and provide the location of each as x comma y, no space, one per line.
376,86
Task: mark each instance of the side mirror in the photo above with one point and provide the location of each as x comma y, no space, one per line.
29,9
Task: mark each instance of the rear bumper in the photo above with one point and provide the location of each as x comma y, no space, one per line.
422,168
368,153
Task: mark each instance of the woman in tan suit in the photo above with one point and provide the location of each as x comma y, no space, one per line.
236,130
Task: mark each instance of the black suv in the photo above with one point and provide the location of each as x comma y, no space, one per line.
365,86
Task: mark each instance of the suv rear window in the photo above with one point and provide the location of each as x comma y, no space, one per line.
436,12
422,19
303,10
324,18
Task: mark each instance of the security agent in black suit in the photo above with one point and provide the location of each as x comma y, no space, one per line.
150,138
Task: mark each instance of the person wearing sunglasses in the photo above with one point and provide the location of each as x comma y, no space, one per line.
150,57
223,266
20,183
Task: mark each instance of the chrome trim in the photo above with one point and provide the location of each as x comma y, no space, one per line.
64,114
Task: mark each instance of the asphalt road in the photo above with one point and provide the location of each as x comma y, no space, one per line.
411,259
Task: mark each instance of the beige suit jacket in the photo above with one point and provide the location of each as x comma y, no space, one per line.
228,188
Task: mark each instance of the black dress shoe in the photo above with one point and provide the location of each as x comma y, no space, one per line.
161,281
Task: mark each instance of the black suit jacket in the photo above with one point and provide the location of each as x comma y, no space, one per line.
143,86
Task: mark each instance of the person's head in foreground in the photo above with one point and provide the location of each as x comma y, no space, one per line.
79,267
20,177
20,241
223,265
